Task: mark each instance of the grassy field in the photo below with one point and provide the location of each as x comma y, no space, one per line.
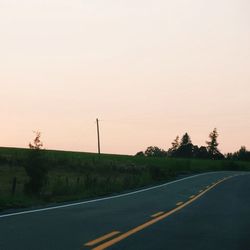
75,175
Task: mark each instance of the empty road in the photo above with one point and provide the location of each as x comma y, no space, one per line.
207,211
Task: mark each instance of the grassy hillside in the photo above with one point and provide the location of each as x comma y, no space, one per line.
75,175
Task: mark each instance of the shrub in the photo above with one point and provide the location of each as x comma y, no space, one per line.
35,167
37,172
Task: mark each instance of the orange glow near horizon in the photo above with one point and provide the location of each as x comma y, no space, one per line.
149,70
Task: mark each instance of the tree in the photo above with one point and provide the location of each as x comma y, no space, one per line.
212,145
242,154
35,168
185,149
37,142
140,153
175,143
185,140
175,146
155,152
200,152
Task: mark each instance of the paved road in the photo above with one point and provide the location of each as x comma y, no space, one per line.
208,212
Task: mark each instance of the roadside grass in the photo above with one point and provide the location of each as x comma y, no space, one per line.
76,175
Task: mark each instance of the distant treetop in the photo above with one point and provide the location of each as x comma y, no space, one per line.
185,140
37,144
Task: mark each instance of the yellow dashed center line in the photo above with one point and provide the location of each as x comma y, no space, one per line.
179,203
154,220
102,238
157,214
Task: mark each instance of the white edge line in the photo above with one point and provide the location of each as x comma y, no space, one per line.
104,199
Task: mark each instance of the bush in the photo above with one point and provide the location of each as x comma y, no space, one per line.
37,172
231,165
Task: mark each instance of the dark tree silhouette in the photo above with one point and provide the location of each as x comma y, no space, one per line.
242,154
35,168
37,141
212,146
185,140
200,152
175,146
140,153
155,152
185,150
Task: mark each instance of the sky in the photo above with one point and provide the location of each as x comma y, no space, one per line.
148,69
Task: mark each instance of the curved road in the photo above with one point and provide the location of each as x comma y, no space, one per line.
209,211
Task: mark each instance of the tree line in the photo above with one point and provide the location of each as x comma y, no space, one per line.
184,148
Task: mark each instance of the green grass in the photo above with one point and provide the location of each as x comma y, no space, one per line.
75,175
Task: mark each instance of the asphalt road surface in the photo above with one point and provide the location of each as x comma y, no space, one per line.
203,212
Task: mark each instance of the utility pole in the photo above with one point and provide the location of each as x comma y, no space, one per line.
98,136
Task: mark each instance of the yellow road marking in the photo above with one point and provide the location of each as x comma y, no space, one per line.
179,203
102,238
192,196
157,214
149,223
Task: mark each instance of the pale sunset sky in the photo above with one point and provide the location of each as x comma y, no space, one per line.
148,69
